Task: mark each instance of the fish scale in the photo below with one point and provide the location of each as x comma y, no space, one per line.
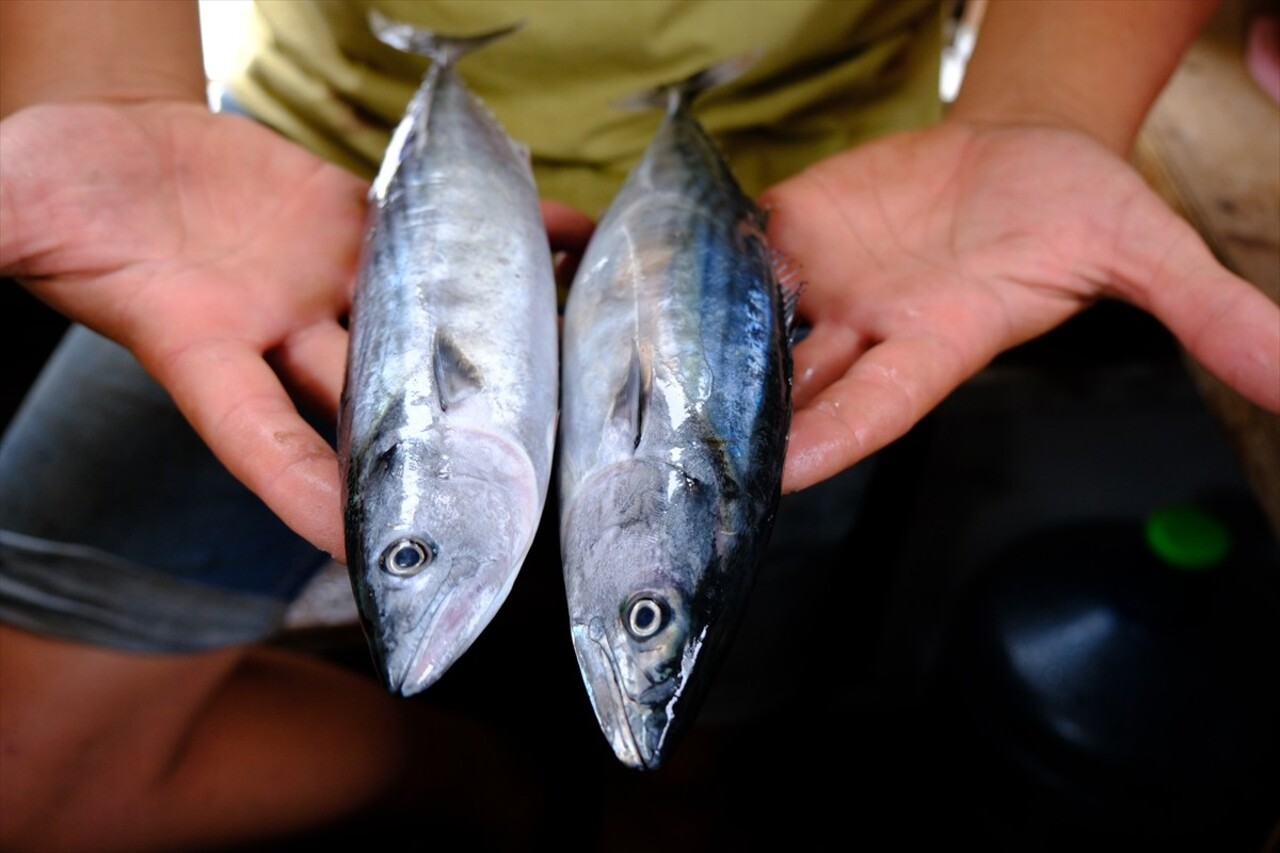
675,384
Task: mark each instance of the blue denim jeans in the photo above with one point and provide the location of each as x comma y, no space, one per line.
118,527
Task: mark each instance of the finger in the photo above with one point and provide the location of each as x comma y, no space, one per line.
565,269
886,391
568,229
825,354
312,364
1231,328
1223,321
238,406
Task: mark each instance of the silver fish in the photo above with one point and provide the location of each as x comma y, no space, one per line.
449,410
675,409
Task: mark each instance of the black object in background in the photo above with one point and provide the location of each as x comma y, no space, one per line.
1126,682
33,329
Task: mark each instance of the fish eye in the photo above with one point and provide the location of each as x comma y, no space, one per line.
645,617
407,557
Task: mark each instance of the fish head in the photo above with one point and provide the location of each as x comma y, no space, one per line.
437,532
639,542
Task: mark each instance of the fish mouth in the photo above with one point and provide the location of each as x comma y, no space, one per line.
636,727
411,666
419,627
444,630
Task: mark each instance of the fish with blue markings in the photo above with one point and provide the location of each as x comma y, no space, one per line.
448,413
675,409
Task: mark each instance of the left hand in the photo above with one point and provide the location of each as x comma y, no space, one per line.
926,254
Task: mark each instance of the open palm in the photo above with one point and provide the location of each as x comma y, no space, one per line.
926,254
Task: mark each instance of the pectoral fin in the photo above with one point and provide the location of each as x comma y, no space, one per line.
631,404
456,377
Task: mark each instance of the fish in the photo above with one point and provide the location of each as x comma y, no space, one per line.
449,407
675,411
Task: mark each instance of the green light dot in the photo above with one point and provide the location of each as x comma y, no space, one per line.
1187,538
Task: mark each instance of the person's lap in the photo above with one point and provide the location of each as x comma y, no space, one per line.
119,528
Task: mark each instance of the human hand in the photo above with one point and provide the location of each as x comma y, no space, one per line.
221,255
926,254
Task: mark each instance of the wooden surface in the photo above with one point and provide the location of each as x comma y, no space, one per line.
1211,147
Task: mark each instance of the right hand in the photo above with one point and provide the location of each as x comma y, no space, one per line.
222,255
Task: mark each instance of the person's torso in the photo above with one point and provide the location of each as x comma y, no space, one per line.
828,74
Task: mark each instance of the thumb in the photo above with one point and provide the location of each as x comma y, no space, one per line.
1223,321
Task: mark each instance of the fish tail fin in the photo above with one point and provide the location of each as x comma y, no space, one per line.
444,50
682,93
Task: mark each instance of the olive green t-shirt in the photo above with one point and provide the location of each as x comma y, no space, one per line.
828,74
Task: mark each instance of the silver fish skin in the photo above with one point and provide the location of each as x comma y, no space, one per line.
448,413
675,409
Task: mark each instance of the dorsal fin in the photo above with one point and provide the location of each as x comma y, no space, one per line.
444,50
456,377
631,405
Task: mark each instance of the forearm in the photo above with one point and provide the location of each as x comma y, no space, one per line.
116,50
1092,65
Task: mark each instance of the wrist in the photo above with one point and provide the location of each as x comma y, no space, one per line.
1093,67
99,50
1056,110
121,90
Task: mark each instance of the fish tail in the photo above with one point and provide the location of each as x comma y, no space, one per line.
444,50
680,94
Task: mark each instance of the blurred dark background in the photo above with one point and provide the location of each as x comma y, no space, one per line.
34,330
